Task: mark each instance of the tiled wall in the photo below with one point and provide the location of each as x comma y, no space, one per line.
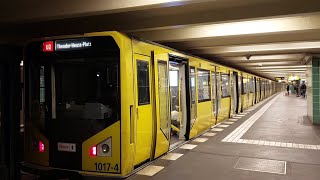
315,89
309,91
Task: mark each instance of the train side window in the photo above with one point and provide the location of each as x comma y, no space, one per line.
143,82
244,85
204,93
193,84
251,85
213,83
225,83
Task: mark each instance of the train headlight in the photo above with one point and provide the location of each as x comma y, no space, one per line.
105,148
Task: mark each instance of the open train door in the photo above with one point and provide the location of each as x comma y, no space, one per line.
162,103
179,99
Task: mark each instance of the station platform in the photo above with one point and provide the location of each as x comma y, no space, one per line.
271,140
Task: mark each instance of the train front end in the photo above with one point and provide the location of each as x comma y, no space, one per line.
73,106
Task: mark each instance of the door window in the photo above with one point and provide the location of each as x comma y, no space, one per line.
204,85
244,85
163,98
193,94
251,85
214,91
225,78
143,82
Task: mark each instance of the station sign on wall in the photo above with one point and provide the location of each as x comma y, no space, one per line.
279,78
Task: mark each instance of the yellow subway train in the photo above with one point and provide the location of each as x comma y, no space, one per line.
103,104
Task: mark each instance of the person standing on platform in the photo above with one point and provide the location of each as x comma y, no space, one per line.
303,89
288,88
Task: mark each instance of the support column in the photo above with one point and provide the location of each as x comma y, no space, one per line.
313,89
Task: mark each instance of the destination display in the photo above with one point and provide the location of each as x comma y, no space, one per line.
72,44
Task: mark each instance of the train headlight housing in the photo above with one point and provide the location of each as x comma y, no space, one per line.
105,148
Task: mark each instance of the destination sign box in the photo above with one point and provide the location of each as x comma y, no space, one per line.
72,44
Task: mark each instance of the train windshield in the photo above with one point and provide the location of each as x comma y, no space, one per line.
86,89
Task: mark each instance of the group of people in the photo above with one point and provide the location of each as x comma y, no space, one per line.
300,89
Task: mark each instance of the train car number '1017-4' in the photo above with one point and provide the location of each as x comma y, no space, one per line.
106,167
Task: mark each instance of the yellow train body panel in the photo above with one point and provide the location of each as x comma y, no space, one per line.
127,87
224,109
251,96
114,162
244,99
203,121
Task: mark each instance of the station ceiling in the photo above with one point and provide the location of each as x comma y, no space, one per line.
270,38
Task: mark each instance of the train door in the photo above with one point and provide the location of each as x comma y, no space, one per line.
179,105
193,99
234,92
240,93
248,91
233,95
244,92
162,103
144,124
219,88
254,90
256,83
260,88
214,95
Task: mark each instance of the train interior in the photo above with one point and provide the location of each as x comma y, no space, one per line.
178,108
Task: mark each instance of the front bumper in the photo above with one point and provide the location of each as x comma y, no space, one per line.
56,173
